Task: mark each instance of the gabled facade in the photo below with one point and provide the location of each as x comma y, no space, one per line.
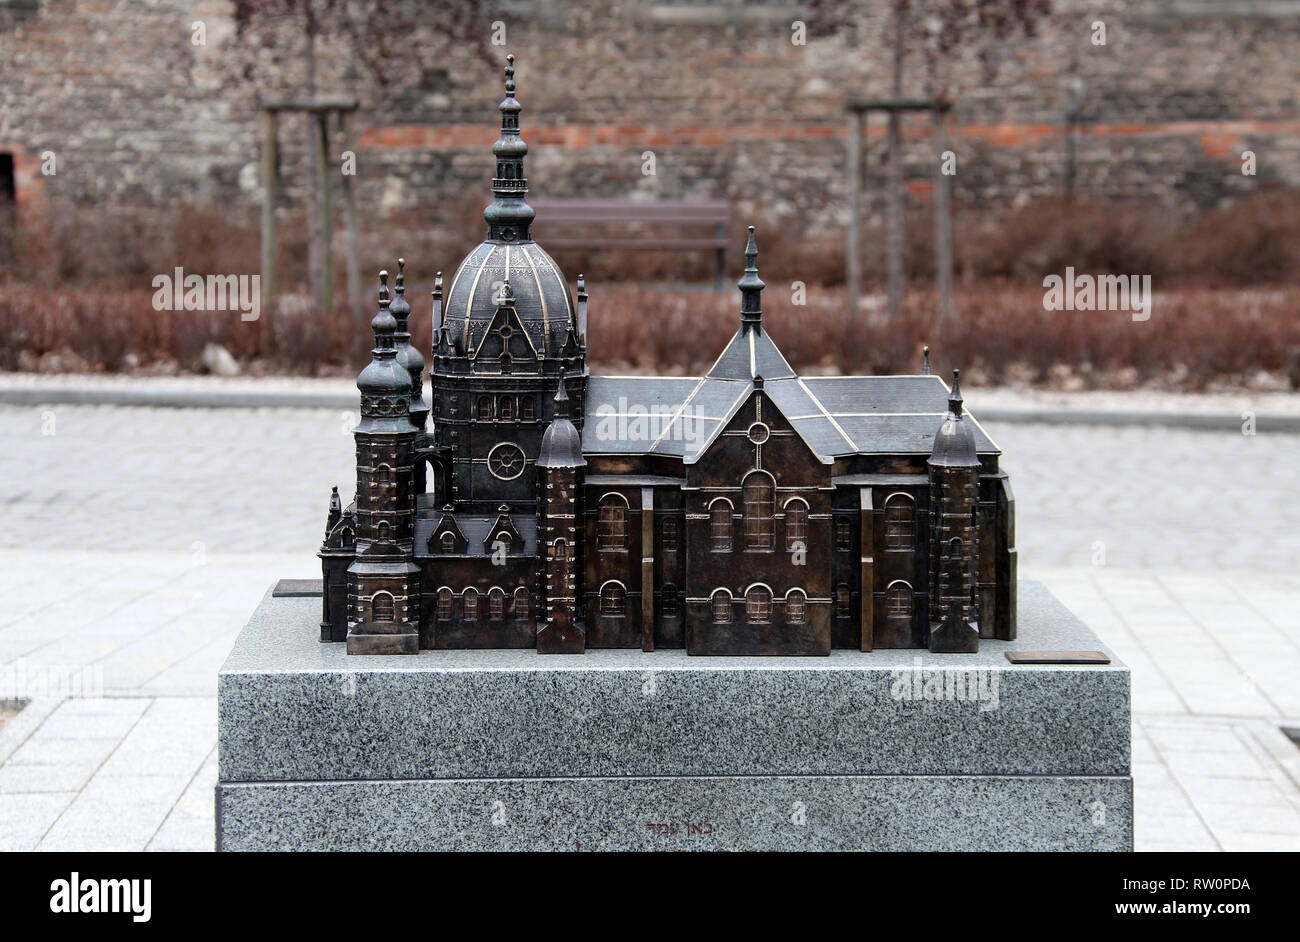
747,511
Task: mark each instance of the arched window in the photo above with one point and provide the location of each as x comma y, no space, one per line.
485,408
506,404
469,605
669,535
759,524
611,526
521,604
383,475
720,526
444,604
447,541
758,605
843,535
381,607
527,408
381,531
670,603
502,543
898,598
796,524
721,607
796,607
843,602
613,600
900,523
496,604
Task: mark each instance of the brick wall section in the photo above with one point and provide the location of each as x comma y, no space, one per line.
137,115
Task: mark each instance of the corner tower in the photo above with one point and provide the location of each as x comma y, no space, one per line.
507,333
954,541
383,580
559,465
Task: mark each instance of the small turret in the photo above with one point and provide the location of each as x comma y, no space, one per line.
561,444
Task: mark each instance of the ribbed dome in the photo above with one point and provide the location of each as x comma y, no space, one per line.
540,296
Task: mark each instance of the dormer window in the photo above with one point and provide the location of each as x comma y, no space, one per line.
447,542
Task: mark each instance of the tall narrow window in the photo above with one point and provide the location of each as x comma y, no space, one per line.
900,523
469,605
485,408
506,407
669,536
383,475
669,602
521,604
898,599
381,607
720,526
843,535
721,607
758,605
796,607
444,604
381,531
496,604
759,523
613,600
526,408
843,602
611,526
796,525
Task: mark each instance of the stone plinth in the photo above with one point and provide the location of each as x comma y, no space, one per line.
512,750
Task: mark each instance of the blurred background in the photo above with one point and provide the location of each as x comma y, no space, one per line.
1152,137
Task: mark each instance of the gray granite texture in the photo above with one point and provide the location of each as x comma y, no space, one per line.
294,710
783,813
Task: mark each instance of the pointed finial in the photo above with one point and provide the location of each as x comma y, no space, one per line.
400,308
751,311
383,323
510,74
561,401
925,365
954,396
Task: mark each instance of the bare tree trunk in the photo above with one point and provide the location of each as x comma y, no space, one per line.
894,194
315,247
853,244
942,218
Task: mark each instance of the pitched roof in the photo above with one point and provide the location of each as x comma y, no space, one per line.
835,415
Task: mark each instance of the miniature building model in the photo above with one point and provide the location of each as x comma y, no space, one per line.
528,504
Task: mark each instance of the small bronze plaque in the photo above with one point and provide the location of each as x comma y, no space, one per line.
298,588
1057,657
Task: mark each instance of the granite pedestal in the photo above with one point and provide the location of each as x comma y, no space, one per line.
625,750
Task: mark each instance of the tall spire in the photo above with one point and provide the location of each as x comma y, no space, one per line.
751,311
508,216
954,395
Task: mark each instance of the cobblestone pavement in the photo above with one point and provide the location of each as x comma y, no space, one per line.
164,527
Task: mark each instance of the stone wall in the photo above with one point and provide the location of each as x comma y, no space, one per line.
136,115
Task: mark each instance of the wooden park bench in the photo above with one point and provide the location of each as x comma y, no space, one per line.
596,216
